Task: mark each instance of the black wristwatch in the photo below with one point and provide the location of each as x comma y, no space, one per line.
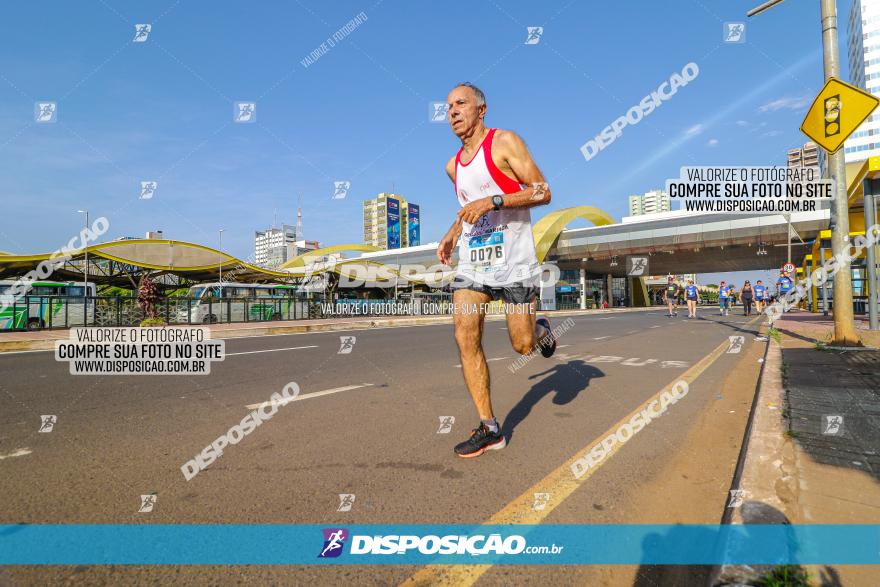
497,202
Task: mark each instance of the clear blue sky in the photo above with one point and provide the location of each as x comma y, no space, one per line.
162,110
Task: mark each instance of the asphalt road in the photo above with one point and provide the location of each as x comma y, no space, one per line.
374,435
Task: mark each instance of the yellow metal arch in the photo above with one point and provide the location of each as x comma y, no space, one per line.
548,228
300,260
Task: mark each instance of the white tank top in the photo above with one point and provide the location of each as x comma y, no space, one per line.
499,249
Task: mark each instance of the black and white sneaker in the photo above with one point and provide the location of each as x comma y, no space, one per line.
481,440
548,343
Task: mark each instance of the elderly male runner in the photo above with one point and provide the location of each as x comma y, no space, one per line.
496,182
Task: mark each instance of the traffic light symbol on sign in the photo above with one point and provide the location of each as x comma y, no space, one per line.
832,115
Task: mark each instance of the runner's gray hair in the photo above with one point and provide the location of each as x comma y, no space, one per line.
481,97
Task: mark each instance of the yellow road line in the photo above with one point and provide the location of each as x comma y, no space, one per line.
560,483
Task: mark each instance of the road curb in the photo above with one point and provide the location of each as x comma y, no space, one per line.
765,470
46,344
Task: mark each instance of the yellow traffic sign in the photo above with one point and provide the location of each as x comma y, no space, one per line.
836,113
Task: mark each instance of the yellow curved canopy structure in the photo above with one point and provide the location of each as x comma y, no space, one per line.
195,261
548,228
300,260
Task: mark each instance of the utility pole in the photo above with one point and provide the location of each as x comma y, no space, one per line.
844,324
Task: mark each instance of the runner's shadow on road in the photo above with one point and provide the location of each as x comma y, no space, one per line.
565,380
737,326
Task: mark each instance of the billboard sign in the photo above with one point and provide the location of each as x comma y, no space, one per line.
414,222
393,222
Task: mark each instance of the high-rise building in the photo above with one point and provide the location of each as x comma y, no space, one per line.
810,155
864,70
390,222
270,246
650,203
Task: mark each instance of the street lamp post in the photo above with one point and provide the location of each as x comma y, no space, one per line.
220,264
844,323
85,271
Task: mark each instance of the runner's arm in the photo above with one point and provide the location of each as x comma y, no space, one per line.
515,154
447,243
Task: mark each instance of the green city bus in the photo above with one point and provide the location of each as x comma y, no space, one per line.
240,302
45,304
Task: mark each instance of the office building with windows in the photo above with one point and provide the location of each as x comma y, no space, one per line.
651,202
863,48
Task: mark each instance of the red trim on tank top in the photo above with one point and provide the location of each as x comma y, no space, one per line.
458,160
507,184
483,142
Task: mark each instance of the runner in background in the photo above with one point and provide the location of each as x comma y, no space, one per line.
723,298
747,296
670,294
691,293
783,284
760,291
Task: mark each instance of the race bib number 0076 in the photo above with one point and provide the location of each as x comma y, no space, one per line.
486,251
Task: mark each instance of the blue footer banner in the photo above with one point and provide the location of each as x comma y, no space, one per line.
281,544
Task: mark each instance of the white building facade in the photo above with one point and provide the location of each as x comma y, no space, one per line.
651,202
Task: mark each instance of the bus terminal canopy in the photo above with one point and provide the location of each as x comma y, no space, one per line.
122,262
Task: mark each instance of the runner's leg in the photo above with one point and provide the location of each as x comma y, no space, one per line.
468,320
524,332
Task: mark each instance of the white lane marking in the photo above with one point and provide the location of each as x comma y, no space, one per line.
632,331
19,453
656,326
601,337
303,396
291,348
562,346
607,318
